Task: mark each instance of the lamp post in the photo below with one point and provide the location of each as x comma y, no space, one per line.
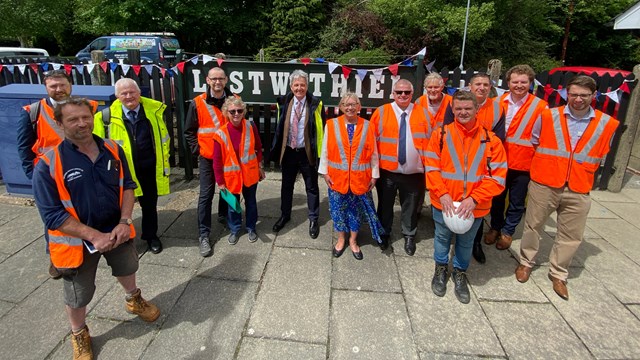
464,36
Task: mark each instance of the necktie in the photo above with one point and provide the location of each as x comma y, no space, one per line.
402,140
294,125
131,115
350,131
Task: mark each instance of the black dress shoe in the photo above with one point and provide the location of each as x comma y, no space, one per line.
314,229
280,223
384,243
155,246
358,255
478,254
409,245
337,253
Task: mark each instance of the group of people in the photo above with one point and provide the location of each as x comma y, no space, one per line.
471,153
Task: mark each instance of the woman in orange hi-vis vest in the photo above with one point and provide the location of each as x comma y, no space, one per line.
237,158
349,163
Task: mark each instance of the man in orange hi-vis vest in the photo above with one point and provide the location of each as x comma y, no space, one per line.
402,132
521,110
84,193
570,143
435,100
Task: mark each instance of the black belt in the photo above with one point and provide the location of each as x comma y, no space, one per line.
296,149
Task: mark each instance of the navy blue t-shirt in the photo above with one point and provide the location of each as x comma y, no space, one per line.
93,187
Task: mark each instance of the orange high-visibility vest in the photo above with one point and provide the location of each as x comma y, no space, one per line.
555,164
470,164
247,172
66,250
438,118
489,113
47,131
210,119
349,164
518,140
387,131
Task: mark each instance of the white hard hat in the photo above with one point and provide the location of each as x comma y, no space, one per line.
456,224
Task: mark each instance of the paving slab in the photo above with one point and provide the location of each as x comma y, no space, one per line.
180,225
243,261
370,325
295,234
619,233
593,313
161,285
376,272
5,306
534,331
33,328
22,231
632,193
635,309
626,211
3,256
435,356
599,211
206,323
178,252
23,272
11,212
461,328
266,349
550,227
293,301
608,265
608,196
112,340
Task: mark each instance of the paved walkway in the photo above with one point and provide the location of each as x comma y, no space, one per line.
286,297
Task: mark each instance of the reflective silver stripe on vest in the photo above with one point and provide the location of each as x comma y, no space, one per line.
389,140
342,165
431,168
355,165
206,130
502,181
471,176
496,113
246,157
583,155
66,240
165,139
431,155
52,123
516,139
419,135
212,113
233,166
561,151
380,128
427,117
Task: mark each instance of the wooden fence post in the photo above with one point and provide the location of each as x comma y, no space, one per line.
98,77
628,137
494,68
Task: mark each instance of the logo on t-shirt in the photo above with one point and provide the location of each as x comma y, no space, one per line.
73,174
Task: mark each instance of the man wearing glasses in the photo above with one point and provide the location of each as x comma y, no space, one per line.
570,142
38,132
402,130
203,120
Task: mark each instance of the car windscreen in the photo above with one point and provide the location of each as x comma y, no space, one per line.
171,44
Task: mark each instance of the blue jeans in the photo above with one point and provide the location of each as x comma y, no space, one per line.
517,185
251,210
442,242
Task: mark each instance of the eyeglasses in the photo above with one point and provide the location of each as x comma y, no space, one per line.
350,105
216,79
581,96
401,92
56,73
234,112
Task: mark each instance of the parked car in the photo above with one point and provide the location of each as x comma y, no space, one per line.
153,46
20,52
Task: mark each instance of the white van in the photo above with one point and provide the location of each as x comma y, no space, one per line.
19,52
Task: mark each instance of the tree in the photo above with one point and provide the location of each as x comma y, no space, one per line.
24,20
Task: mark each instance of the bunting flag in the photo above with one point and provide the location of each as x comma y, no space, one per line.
305,61
113,66
206,58
377,73
149,69
180,66
80,69
346,71
393,69
407,62
45,66
219,61
104,65
34,68
500,91
68,68
292,61
332,67
136,69
320,60
125,68
362,73
430,65
563,94
613,95
10,68
598,93
450,90
423,52
22,68
625,87
1,66
194,60
56,66
163,71
90,68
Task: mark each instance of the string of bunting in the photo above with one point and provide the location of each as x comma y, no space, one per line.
104,65
614,95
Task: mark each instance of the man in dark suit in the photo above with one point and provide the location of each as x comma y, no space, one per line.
296,146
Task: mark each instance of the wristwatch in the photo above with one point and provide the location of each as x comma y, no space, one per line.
126,221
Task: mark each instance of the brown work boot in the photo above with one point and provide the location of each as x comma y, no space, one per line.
81,343
141,307
491,236
504,242
54,273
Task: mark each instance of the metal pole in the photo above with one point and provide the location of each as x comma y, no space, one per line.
464,37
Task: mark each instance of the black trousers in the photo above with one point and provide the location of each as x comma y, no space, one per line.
294,161
411,188
205,198
148,202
